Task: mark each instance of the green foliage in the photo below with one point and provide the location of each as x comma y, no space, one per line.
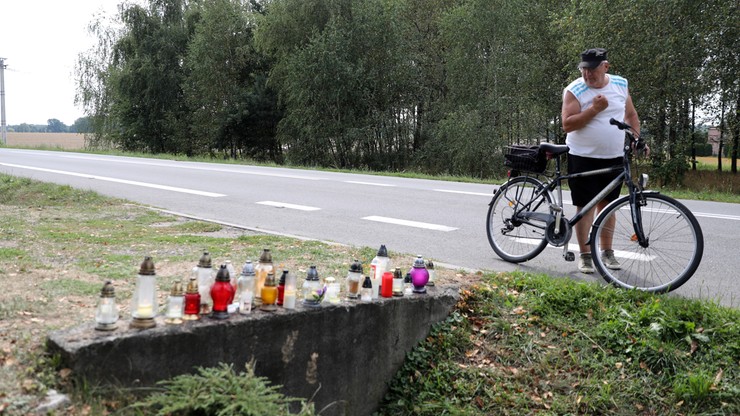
437,86
233,109
220,391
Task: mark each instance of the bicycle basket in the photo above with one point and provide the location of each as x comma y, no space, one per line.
527,158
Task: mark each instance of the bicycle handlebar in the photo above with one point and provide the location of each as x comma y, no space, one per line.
639,144
619,124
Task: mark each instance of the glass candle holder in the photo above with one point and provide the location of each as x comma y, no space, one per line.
289,296
332,290
269,294
175,305
204,273
106,314
245,288
432,273
144,299
264,267
397,282
221,293
354,280
281,287
192,301
379,265
311,284
407,287
366,293
419,276
386,288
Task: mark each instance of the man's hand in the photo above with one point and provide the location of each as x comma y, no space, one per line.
600,103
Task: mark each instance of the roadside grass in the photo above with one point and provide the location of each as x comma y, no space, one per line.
516,344
530,344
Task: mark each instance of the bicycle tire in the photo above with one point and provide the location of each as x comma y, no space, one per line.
514,241
674,251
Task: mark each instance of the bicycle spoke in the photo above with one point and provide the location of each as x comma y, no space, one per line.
675,245
511,237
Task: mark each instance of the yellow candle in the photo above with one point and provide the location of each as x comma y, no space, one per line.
269,295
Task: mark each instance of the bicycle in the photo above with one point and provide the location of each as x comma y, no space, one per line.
657,240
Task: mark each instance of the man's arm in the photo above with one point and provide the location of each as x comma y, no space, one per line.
630,115
573,117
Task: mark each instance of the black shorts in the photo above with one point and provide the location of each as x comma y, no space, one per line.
583,190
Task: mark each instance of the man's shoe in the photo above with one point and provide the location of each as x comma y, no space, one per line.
585,263
607,257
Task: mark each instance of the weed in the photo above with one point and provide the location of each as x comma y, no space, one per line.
220,391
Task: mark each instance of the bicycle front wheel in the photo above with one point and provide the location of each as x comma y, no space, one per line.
673,251
512,238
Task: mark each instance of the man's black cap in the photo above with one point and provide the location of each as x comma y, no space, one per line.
591,58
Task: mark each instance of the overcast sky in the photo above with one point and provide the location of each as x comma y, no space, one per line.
40,41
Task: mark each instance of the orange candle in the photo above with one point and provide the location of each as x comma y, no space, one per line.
269,295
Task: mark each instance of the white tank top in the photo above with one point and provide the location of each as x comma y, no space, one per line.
598,139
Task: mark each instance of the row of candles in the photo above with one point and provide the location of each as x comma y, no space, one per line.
256,286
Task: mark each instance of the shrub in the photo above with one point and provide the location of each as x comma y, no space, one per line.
220,391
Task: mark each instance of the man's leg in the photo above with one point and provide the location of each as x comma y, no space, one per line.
606,238
585,265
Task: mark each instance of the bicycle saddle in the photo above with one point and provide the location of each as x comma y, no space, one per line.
553,149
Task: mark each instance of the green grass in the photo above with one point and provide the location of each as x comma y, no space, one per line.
524,344
58,288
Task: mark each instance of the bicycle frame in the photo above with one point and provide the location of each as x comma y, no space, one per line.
556,184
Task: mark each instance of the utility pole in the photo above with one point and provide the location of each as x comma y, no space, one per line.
3,127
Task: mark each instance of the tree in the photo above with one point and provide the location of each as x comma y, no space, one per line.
56,126
226,85
661,48
81,125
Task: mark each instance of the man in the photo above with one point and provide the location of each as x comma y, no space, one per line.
588,104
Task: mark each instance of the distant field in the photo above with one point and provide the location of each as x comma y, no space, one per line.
712,161
60,140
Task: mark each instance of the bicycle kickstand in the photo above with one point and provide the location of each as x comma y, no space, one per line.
568,255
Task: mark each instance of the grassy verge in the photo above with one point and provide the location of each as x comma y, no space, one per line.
516,345
521,344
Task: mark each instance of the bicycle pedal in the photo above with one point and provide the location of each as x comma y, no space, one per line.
569,256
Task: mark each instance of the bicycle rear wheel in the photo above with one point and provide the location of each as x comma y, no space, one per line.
513,239
674,250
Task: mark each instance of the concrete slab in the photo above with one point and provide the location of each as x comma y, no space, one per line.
340,355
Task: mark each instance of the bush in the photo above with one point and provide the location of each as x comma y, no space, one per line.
220,391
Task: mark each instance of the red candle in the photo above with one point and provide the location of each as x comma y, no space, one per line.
386,285
221,293
192,303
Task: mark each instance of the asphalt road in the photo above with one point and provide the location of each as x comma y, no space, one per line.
444,221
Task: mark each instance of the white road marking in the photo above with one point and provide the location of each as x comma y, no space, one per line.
369,183
574,247
408,223
123,181
286,205
183,166
718,216
464,192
